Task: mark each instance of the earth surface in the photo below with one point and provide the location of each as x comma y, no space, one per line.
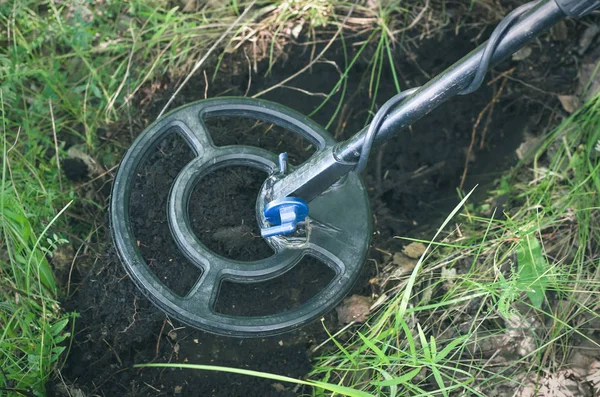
411,180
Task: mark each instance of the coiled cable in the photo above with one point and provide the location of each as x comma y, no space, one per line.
482,68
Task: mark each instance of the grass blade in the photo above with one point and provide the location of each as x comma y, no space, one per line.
343,390
532,269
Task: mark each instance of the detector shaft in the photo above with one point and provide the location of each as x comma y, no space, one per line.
323,170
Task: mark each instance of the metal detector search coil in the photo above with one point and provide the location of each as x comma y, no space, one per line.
337,229
324,193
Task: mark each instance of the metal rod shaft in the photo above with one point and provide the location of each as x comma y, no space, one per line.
323,170
457,77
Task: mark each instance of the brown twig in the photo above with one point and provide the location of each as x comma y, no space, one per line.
22,392
71,269
133,316
107,379
305,92
100,175
113,352
249,74
342,122
310,64
474,131
159,339
205,84
486,125
488,119
16,140
313,48
55,145
419,173
147,76
414,21
113,99
506,73
205,57
547,93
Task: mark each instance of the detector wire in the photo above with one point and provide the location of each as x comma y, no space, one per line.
482,68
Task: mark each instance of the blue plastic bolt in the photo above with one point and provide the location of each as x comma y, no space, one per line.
284,214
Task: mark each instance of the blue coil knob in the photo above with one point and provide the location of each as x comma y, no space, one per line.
284,215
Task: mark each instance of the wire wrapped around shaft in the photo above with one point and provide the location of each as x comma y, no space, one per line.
492,43
482,68
378,120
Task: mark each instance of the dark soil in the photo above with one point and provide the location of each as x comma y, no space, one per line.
118,327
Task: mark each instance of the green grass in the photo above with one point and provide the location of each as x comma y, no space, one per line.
72,69
33,327
68,70
369,352
534,274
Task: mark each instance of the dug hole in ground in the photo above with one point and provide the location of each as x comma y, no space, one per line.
412,183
